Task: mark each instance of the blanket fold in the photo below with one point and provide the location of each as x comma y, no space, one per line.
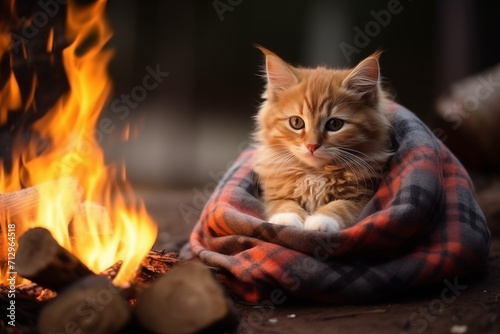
422,226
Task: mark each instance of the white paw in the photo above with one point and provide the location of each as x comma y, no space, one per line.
287,219
322,223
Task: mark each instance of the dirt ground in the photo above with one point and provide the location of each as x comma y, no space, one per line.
474,308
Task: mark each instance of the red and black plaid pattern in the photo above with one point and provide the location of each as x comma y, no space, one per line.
423,225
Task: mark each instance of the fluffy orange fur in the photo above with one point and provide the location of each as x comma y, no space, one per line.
322,140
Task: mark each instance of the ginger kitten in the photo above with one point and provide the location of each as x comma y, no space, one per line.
322,139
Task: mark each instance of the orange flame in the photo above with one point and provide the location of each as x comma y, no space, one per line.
10,96
88,206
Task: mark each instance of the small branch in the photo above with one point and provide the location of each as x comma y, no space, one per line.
112,271
354,314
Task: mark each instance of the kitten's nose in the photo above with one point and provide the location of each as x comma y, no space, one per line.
312,147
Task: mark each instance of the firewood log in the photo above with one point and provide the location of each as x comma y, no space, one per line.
90,227
92,305
25,201
42,260
187,299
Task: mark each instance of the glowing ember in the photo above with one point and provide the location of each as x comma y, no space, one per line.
88,206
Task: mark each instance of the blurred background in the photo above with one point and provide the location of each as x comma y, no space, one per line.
197,120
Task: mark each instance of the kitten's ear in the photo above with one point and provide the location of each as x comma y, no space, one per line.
280,75
364,78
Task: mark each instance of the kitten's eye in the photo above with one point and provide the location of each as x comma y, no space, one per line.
334,124
296,122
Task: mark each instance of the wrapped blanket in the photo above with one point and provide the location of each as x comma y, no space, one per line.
422,226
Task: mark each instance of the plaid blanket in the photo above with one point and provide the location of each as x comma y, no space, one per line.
422,226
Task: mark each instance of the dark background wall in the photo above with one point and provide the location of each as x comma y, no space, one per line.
196,120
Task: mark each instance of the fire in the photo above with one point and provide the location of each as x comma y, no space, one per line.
89,207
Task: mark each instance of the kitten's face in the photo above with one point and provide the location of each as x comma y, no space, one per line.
321,116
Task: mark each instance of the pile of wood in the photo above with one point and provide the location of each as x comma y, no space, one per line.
166,296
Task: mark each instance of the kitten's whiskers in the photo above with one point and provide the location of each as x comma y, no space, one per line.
359,166
280,158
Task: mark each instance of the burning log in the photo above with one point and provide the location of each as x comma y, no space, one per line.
86,303
42,260
92,305
91,216
26,201
186,299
